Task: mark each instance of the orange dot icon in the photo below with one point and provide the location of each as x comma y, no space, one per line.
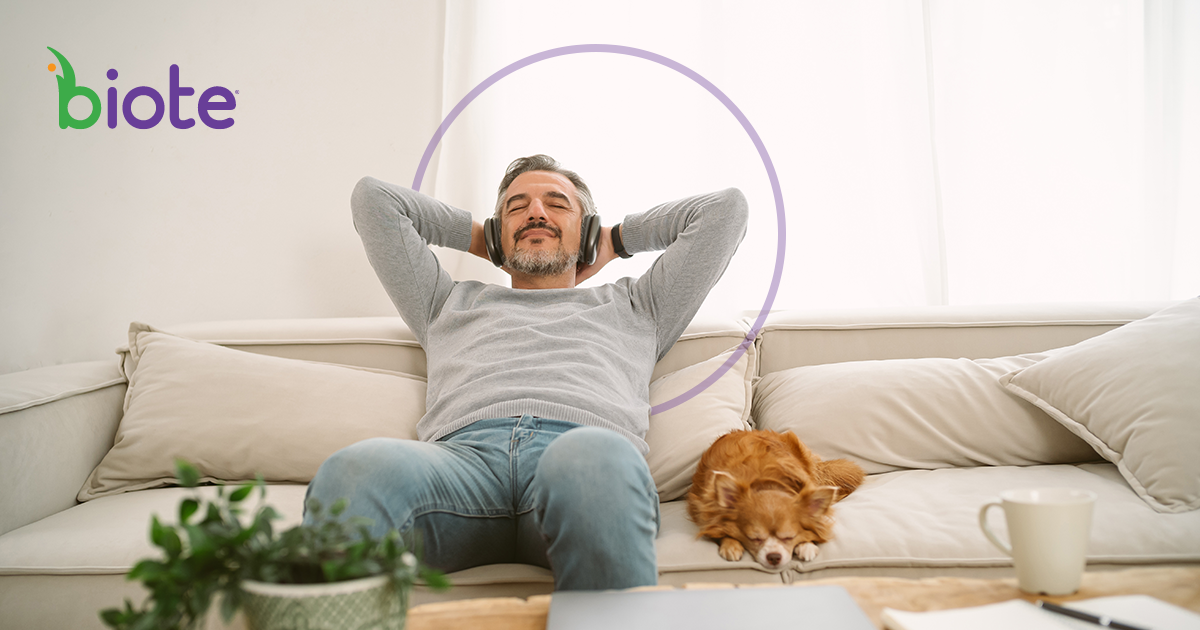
50,67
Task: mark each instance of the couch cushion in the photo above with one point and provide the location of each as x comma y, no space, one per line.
906,520
915,413
111,534
918,519
1133,394
930,518
679,436
234,414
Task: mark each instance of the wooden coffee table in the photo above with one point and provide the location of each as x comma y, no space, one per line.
1179,586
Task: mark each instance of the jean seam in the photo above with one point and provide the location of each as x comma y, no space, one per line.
410,522
513,463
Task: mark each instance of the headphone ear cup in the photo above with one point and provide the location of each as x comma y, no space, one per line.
589,240
491,238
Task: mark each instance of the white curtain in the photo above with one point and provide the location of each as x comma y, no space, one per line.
929,152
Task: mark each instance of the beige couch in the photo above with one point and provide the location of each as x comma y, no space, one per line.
916,396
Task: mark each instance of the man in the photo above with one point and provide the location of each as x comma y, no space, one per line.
531,449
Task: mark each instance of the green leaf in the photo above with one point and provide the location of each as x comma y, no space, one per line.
199,602
212,515
268,513
199,541
146,570
148,621
339,506
187,508
435,580
111,617
241,493
187,474
171,543
157,531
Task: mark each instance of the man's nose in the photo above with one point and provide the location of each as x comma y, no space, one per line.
536,211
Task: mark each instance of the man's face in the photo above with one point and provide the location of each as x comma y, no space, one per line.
540,224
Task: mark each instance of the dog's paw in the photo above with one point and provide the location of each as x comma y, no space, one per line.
807,551
731,549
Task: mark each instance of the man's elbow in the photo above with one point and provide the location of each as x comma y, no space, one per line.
735,207
365,195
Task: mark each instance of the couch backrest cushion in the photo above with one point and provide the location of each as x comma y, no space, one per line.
386,343
372,342
235,414
678,436
791,339
184,388
1133,394
915,413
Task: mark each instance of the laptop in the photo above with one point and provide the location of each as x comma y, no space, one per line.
776,608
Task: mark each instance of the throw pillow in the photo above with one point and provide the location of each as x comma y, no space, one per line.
1134,394
914,413
679,436
234,414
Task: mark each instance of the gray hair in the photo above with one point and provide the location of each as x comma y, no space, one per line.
542,162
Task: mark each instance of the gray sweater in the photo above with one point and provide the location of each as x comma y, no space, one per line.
583,355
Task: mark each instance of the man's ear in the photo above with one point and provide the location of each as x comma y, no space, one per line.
726,489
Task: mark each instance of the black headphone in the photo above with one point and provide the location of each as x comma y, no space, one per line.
589,239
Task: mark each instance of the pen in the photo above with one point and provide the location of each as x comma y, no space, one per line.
1107,622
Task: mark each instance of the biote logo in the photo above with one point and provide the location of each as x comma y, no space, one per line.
67,90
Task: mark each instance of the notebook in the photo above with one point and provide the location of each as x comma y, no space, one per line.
1141,611
779,607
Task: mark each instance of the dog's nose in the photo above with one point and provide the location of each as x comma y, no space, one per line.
774,558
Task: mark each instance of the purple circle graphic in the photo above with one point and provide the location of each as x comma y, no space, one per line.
712,89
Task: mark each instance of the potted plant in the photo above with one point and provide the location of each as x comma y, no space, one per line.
329,574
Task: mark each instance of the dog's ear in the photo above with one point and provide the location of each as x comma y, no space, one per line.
806,457
726,489
820,500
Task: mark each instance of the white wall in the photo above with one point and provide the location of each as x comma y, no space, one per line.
102,226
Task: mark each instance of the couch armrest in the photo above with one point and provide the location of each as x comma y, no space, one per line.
56,423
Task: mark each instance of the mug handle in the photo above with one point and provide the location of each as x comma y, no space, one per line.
987,530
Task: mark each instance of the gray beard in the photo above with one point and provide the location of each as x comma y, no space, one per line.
541,262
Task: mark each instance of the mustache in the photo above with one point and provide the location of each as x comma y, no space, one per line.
537,226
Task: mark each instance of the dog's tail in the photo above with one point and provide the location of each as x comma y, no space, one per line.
843,473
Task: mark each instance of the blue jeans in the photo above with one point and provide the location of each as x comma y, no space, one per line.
577,500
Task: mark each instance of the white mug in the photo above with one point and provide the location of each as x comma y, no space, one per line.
1049,530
